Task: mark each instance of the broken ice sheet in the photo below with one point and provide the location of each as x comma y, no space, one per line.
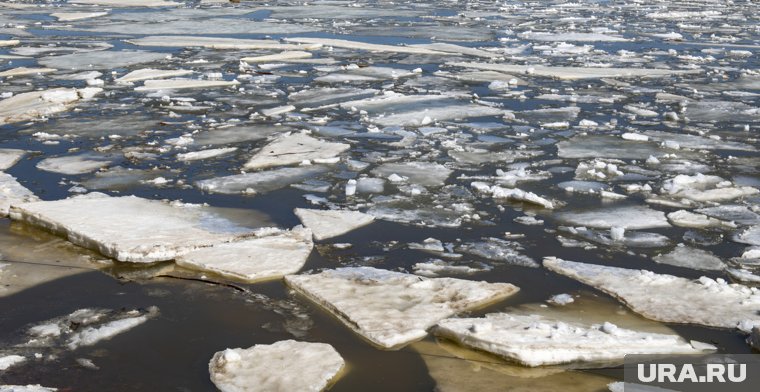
392,309
286,365
496,249
332,223
264,257
100,60
11,192
137,230
75,164
628,217
294,148
421,173
260,182
40,104
534,340
667,298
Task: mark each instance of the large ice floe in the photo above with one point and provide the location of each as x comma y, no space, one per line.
708,302
332,223
138,230
287,365
392,309
533,340
294,148
264,257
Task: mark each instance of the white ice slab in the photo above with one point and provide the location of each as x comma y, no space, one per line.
284,366
667,298
282,56
421,173
9,157
574,73
357,45
180,41
11,193
534,340
37,104
205,154
72,16
392,309
177,84
151,73
688,257
627,217
332,223
685,218
8,361
294,148
260,182
74,164
26,388
22,71
254,259
129,228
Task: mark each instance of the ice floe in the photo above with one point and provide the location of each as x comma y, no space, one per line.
294,148
9,157
287,365
628,217
572,73
332,223
392,309
11,193
668,298
176,84
150,73
688,257
40,104
260,182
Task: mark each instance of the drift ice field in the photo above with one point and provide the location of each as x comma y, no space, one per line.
201,195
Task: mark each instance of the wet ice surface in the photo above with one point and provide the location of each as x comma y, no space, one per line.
440,139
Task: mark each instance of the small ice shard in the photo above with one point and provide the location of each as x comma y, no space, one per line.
561,299
38,104
205,154
284,366
667,298
22,71
254,259
688,257
534,340
260,182
332,223
9,157
90,335
421,173
136,229
573,73
8,361
176,84
294,148
151,74
74,164
73,16
12,193
685,218
282,56
26,388
627,217
617,233
392,309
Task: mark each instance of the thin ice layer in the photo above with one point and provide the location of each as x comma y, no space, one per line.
332,223
667,298
129,228
534,340
284,366
392,309
254,259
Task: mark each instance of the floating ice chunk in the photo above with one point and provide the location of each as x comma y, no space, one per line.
282,56
635,136
9,157
73,16
561,299
129,3
743,275
370,185
22,71
578,37
573,73
392,309
685,218
734,213
180,41
10,360
75,164
702,188
617,233
136,229
430,115
92,335
534,340
421,173
254,259
26,388
627,217
105,59
685,15
284,366
205,154
177,84
617,236
332,223
750,235
278,110
151,73
498,250
667,298
294,148
9,42
435,268
688,257
357,45
515,194
12,193
260,182
605,147
36,104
